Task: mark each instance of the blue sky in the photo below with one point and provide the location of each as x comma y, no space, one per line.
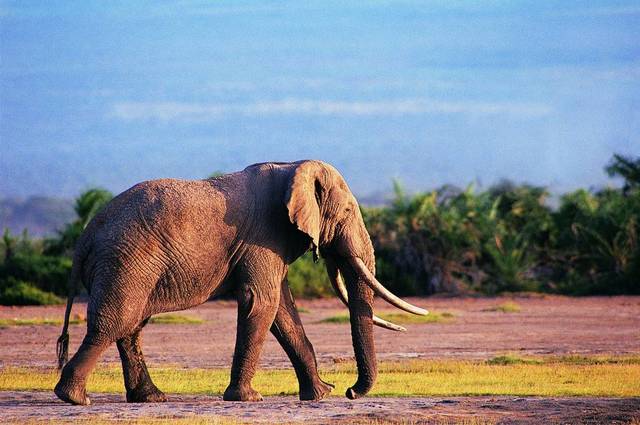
432,92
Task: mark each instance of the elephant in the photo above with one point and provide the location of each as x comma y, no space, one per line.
168,245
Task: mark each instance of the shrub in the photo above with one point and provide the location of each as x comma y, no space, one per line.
11,245
17,292
507,239
48,273
451,240
308,279
429,242
598,244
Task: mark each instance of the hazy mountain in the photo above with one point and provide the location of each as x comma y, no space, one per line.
40,215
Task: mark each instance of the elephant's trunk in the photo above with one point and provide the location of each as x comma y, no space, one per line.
361,313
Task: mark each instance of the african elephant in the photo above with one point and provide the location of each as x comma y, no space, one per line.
167,245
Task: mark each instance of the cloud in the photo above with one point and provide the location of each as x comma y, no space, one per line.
201,112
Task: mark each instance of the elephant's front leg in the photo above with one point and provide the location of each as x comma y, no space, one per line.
288,330
257,306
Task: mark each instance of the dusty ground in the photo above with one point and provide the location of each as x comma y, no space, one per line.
499,410
549,325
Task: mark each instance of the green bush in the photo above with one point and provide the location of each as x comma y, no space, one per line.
11,245
17,292
450,240
598,242
429,242
308,279
49,273
508,239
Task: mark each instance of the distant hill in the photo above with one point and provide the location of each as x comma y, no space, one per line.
375,199
40,215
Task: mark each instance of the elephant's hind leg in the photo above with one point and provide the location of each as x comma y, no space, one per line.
108,319
288,330
257,306
140,387
72,386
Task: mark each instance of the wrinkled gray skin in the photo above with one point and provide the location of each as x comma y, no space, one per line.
168,245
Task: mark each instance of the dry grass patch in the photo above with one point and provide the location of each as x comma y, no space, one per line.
40,321
404,318
548,377
506,307
175,319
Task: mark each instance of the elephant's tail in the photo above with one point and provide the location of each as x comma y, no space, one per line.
62,347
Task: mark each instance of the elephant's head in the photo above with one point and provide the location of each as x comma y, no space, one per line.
321,205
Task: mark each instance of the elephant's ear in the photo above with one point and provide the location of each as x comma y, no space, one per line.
302,201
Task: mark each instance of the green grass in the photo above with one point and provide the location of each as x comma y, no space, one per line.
576,360
38,321
338,318
506,307
508,359
303,310
175,319
554,376
400,318
403,318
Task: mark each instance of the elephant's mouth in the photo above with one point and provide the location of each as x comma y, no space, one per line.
363,272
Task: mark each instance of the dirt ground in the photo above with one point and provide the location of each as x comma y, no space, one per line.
545,326
25,406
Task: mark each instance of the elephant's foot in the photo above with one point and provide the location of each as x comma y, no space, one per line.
146,393
73,392
247,393
316,392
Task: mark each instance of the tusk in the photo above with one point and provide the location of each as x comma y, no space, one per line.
337,282
341,292
388,325
383,292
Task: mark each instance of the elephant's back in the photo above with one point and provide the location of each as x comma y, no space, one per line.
162,234
165,205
